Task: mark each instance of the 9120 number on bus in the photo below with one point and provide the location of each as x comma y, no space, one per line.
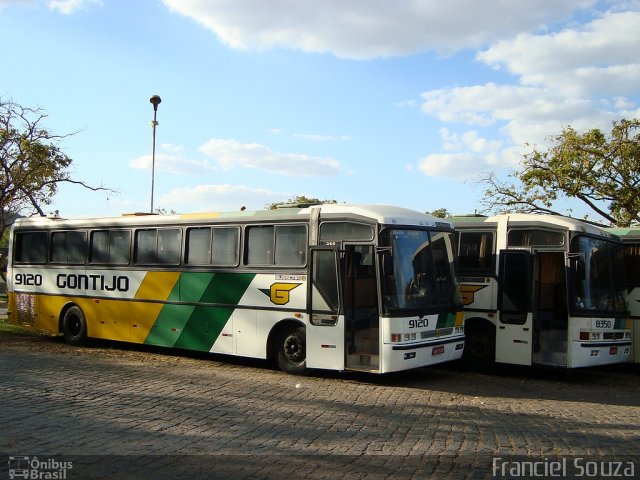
418,323
28,279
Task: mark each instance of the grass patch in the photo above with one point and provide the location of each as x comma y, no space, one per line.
6,327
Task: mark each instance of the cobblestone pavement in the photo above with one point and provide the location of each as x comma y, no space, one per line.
118,411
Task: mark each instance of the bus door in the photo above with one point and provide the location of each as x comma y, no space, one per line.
515,318
550,309
325,333
360,306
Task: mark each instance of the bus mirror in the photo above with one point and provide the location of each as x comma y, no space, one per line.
387,264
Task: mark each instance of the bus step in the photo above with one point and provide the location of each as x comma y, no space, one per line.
366,347
556,359
363,361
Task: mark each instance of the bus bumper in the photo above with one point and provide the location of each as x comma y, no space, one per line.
586,354
397,357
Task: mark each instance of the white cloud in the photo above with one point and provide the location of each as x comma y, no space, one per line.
597,59
361,29
171,160
231,153
222,197
467,155
68,7
585,76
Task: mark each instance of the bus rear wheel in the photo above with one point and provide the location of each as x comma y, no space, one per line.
291,351
74,326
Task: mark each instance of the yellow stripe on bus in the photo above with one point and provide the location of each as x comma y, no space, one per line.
155,286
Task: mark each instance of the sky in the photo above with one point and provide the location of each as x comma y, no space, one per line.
400,102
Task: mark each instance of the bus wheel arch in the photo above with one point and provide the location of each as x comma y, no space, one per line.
287,346
73,324
480,344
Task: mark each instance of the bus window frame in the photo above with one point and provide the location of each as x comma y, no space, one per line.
274,245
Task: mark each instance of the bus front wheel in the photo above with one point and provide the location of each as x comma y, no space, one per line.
74,326
479,349
292,350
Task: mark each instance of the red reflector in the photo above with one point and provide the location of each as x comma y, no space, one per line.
439,350
584,336
613,350
174,329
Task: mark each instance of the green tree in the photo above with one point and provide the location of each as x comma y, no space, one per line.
298,200
602,171
32,163
440,213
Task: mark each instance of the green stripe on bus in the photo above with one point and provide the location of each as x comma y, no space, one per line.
197,327
206,323
446,320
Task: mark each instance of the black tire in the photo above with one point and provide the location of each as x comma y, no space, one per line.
291,350
74,326
479,349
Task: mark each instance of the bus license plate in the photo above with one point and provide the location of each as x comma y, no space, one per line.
613,350
439,350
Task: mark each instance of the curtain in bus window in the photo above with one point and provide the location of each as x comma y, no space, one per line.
100,247
68,247
59,247
198,246
291,245
120,247
77,247
225,246
260,245
31,247
146,246
168,247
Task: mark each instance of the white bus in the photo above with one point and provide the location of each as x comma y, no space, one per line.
631,240
368,288
541,290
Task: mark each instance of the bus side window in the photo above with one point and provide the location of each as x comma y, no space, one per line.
31,247
259,245
110,246
198,251
475,253
291,245
158,246
69,247
226,244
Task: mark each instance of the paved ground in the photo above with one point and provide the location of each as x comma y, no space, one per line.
118,411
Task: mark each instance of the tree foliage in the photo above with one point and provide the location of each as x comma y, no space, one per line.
32,163
440,213
298,200
602,171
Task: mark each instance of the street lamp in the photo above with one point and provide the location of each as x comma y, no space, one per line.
155,101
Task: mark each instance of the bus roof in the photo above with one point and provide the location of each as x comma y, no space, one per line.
382,214
626,233
529,219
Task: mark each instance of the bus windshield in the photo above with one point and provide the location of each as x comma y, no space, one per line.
420,276
597,272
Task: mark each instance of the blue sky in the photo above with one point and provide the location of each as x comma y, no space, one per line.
362,101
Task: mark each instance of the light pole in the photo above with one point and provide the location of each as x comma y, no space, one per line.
155,101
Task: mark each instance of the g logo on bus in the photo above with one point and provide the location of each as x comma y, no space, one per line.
279,293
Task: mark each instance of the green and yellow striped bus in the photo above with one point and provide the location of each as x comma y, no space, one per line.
342,287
